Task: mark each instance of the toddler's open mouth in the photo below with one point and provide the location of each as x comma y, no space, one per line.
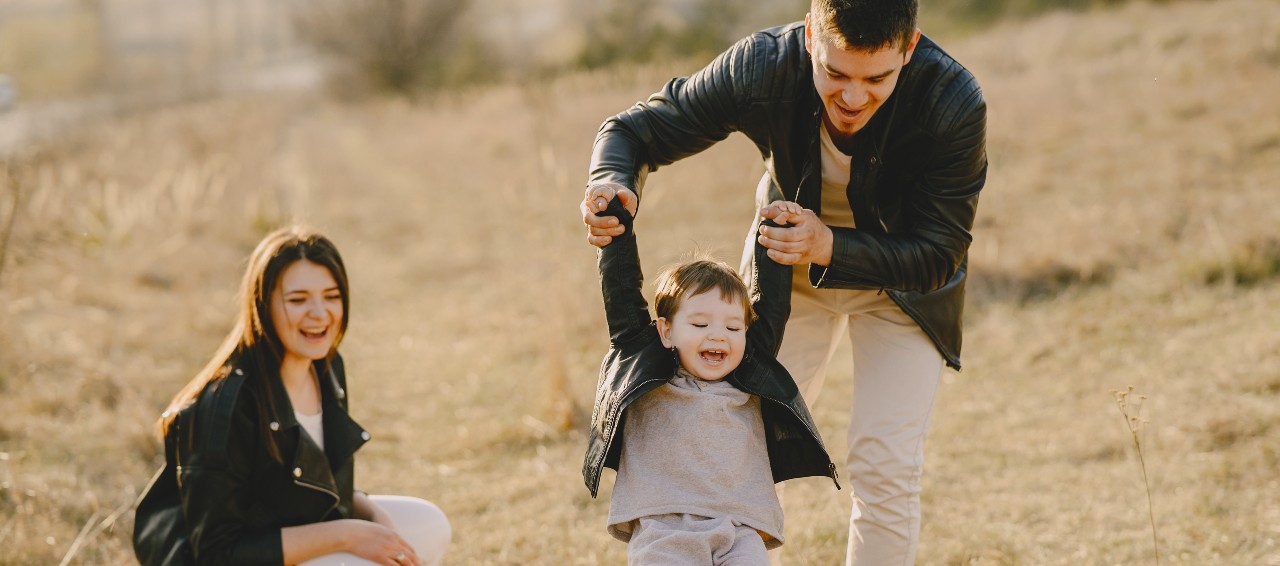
713,356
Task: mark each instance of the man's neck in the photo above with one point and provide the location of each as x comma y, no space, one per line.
843,142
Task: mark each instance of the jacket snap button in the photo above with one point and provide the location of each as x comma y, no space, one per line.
874,160
365,435
274,425
239,371
297,472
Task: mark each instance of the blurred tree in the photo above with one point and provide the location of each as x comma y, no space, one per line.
624,30
401,46
640,30
976,14
646,30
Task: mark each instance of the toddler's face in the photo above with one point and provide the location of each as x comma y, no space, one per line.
709,334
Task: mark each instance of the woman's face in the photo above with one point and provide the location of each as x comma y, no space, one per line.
306,310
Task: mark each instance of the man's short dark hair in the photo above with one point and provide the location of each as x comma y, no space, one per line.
865,25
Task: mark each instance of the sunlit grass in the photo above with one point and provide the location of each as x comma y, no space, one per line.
1131,157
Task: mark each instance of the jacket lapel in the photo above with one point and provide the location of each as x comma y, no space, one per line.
312,467
808,191
342,434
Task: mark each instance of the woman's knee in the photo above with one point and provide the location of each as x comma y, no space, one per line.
422,524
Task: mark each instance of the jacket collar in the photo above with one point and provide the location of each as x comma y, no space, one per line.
343,436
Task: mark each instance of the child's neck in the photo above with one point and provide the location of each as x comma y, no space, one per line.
680,371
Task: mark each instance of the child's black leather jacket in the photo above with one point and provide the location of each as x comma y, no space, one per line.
637,363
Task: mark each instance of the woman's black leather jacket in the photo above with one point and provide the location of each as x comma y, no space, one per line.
917,167
221,498
637,363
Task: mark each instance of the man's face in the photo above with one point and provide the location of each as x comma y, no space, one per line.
853,84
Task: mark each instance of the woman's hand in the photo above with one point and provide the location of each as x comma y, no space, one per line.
378,543
371,541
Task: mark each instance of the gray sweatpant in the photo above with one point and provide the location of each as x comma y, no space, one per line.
682,539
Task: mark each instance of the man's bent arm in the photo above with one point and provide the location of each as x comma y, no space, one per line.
687,116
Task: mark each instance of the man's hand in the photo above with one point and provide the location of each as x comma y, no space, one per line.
808,240
600,231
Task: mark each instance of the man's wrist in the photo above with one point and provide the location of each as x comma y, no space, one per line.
826,249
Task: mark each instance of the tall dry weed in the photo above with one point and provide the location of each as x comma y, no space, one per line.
12,185
1130,406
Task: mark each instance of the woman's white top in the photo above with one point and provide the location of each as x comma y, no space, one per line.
314,425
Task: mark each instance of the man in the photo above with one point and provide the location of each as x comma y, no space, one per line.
880,136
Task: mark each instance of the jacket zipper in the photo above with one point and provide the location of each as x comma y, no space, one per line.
831,466
328,492
805,172
613,414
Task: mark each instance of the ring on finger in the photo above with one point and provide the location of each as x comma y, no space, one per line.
399,557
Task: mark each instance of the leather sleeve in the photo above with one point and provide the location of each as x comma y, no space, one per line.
687,116
621,282
770,297
215,488
941,206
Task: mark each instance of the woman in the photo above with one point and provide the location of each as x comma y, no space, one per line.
258,446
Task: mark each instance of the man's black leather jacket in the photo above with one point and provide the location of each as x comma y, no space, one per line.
637,363
221,498
917,167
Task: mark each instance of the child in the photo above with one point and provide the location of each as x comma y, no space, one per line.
712,420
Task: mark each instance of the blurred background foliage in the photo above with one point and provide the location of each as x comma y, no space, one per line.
148,51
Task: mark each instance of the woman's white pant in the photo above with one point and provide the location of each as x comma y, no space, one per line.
419,522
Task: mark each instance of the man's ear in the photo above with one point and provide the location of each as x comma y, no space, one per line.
911,46
808,33
664,332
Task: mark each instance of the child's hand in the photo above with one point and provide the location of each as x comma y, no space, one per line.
602,230
782,212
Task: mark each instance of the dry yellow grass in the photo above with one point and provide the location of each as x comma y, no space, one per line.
1134,155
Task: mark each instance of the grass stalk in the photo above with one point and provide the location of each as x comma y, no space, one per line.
10,179
1136,423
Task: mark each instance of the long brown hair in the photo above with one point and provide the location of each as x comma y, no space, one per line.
252,343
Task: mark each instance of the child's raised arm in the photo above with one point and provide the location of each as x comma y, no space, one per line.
621,281
770,295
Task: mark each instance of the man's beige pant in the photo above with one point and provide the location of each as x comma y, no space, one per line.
896,370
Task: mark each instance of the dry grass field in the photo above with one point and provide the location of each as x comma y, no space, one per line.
1127,236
